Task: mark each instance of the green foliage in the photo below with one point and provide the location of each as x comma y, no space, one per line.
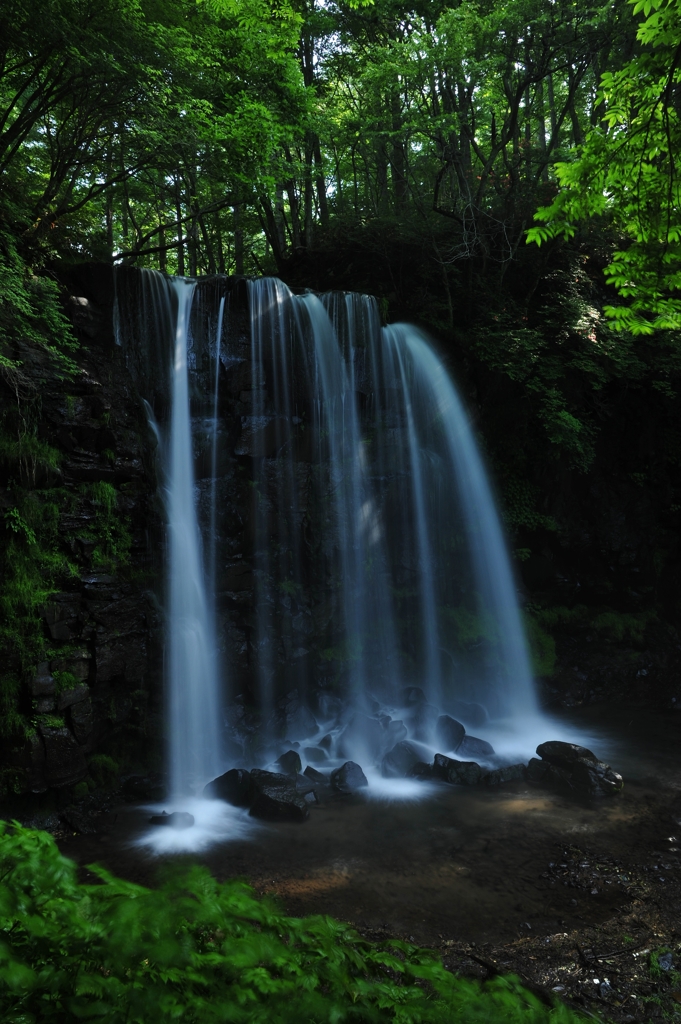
109,530
104,770
608,623
30,312
542,647
33,566
201,951
64,681
626,174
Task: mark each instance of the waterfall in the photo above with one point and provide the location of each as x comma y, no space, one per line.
354,556
194,743
155,336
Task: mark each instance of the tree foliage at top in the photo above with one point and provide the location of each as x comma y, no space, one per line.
627,173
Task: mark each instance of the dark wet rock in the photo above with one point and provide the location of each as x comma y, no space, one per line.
422,771
29,760
177,819
81,717
79,821
348,778
42,683
412,695
326,741
72,696
421,721
64,760
448,732
473,715
458,773
315,754
536,770
317,777
396,731
399,761
362,734
509,773
471,746
145,787
564,754
290,763
574,770
276,797
234,787
596,779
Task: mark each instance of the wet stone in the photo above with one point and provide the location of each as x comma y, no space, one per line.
449,733
276,798
317,777
509,773
399,761
457,773
422,771
234,787
471,746
564,754
177,819
145,787
348,778
315,754
290,763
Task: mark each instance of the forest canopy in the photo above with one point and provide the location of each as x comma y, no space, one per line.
202,136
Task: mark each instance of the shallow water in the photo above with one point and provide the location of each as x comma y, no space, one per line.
438,862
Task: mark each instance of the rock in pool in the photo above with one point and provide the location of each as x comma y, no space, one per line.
348,778
461,773
509,773
471,746
399,761
290,763
570,768
449,733
276,797
235,787
177,819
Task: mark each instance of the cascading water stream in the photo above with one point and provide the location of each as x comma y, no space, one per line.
194,740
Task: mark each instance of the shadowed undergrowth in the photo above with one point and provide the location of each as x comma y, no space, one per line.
199,950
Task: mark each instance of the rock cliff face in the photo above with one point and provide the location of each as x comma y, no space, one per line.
96,685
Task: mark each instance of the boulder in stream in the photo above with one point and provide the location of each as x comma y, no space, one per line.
448,732
362,734
349,778
509,773
457,773
276,798
290,763
422,771
471,714
472,746
399,761
571,768
235,787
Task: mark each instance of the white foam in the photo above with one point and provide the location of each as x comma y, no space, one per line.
395,790
214,822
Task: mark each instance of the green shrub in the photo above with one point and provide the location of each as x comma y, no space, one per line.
103,769
204,952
